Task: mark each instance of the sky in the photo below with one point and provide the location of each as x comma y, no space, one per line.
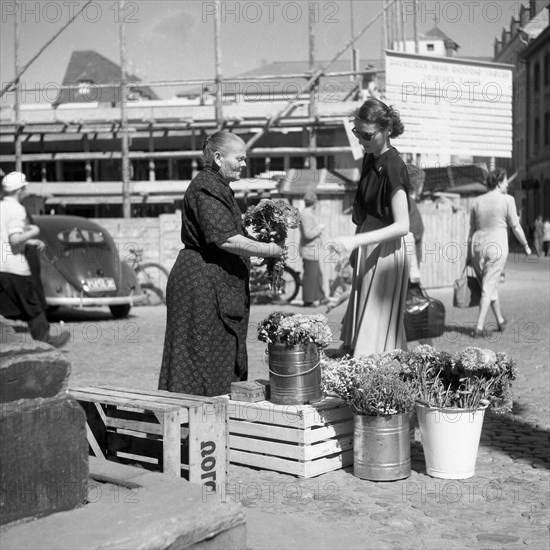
174,39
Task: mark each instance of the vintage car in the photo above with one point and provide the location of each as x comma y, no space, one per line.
80,266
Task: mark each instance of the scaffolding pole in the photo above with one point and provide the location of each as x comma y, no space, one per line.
218,61
17,106
125,148
312,81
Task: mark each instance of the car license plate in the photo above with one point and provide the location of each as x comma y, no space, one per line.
100,284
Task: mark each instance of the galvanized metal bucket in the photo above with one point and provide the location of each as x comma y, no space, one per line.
381,447
294,374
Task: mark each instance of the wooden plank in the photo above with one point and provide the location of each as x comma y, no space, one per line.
142,403
292,451
290,435
264,447
326,448
321,433
132,402
279,415
134,443
92,441
255,429
267,462
208,446
301,469
94,422
146,427
162,393
328,464
171,453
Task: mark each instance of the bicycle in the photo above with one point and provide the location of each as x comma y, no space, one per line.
340,286
260,291
152,278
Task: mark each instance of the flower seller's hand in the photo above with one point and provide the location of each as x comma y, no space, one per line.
343,244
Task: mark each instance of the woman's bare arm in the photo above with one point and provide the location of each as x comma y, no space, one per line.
243,246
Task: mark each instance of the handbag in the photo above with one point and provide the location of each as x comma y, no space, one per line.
466,290
424,316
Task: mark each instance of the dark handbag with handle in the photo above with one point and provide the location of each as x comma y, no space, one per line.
466,290
424,315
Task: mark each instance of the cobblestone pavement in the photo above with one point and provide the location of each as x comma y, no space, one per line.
506,504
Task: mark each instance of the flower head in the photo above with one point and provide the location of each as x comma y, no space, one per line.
295,328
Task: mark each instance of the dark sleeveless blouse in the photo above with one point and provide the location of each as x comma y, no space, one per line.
381,178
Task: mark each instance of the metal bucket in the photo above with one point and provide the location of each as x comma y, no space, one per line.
381,447
294,374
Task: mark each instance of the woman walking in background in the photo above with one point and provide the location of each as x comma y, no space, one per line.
374,319
207,297
490,217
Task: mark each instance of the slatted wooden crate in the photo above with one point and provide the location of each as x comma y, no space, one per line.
303,440
178,434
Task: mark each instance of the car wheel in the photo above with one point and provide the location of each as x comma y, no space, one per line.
120,311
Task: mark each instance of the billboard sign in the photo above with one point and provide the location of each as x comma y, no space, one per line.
451,106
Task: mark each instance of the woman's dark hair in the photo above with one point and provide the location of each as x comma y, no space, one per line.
374,111
495,177
218,141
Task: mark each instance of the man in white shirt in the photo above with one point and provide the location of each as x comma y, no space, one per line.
19,295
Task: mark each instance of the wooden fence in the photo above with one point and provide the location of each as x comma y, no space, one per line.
446,224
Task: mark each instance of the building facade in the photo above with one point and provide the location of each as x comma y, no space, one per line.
524,44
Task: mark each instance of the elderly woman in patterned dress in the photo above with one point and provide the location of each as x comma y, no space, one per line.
207,296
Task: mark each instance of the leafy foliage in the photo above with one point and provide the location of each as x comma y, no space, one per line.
376,384
269,221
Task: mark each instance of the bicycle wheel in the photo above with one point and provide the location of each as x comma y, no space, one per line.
291,285
152,279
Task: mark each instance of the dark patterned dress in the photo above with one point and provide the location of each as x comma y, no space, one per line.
207,295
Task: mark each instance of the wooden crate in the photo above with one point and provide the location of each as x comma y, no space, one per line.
178,434
303,440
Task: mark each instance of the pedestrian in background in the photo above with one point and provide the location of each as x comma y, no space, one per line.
546,237
207,295
416,179
538,235
20,296
374,319
310,250
490,217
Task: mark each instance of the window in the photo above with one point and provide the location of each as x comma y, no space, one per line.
536,77
546,128
536,136
84,87
546,70
430,47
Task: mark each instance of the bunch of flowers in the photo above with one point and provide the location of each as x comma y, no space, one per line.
269,221
377,384
465,379
294,328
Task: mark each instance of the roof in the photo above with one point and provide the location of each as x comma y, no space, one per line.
337,88
461,178
436,32
90,67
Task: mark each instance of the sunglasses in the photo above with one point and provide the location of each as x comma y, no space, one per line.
364,135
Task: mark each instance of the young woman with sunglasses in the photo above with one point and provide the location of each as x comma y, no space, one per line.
374,319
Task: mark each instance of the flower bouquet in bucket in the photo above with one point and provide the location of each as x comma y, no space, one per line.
454,392
381,391
269,221
294,342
